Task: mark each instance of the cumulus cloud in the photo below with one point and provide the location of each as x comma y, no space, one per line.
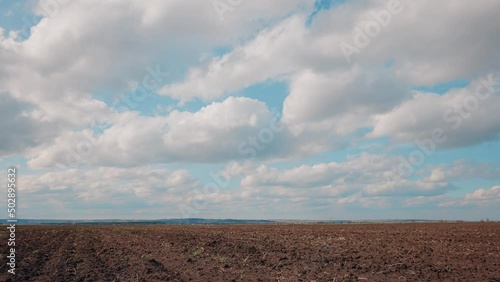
481,197
361,181
19,129
214,133
340,102
110,184
268,55
360,176
484,196
463,169
330,99
411,39
57,81
463,115
66,59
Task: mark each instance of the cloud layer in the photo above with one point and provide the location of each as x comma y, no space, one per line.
145,99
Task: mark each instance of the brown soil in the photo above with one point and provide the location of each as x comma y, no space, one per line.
320,252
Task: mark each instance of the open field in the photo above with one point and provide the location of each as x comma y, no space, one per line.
304,252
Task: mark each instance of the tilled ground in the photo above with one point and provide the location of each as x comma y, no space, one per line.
320,252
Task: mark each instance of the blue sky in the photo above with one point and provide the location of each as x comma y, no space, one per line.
285,110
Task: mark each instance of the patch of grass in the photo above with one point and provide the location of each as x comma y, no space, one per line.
221,259
79,264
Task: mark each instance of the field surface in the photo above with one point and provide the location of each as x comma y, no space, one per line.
302,252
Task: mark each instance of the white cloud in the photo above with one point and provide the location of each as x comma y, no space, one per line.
420,41
71,56
19,129
480,197
360,176
484,196
212,134
329,99
66,57
340,102
463,169
53,85
464,115
113,184
268,55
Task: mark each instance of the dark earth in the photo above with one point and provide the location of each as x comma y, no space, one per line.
267,252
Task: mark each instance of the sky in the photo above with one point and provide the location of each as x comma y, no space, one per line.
284,109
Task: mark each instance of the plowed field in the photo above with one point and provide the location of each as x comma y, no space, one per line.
302,252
